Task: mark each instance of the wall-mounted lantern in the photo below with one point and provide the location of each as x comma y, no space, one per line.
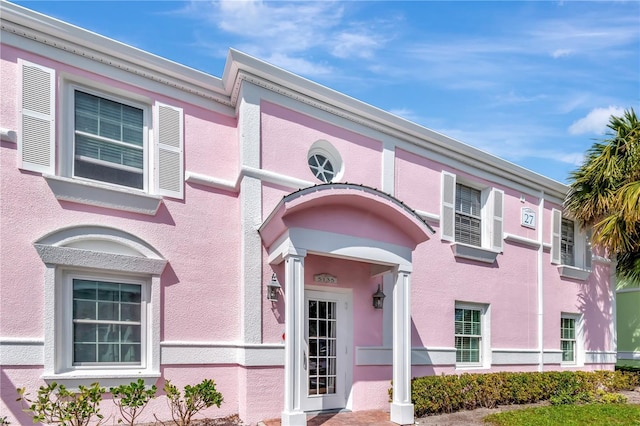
378,298
272,289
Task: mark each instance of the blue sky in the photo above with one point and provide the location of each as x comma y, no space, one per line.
531,82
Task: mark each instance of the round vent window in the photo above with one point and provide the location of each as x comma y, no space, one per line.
324,161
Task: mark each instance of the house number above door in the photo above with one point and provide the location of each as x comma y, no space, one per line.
325,279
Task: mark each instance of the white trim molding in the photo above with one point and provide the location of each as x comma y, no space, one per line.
102,195
626,355
515,356
8,135
512,238
206,353
382,355
479,254
600,357
573,272
21,351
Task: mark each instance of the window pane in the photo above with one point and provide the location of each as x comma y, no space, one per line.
103,131
568,354
106,329
567,242
468,334
84,309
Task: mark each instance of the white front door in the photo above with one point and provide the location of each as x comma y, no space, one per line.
326,375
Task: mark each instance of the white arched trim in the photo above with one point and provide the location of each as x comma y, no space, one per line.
100,253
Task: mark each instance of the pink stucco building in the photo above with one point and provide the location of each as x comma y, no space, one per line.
149,210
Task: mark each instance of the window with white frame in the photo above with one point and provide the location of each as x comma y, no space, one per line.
325,162
468,334
468,220
109,140
568,339
567,239
104,301
115,138
570,247
471,334
108,325
471,216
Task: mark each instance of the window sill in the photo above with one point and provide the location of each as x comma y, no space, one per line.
96,194
479,254
472,367
73,379
574,273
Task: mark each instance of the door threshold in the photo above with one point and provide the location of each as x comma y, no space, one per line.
331,411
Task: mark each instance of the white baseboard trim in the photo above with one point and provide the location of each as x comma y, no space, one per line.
633,356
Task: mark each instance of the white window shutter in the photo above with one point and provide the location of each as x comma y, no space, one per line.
448,207
496,223
169,146
36,138
588,253
556,229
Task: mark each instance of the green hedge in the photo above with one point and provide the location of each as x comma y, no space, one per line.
449,393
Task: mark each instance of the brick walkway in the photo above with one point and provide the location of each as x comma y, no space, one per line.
358,418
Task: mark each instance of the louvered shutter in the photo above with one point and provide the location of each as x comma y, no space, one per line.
36,139
448,208
556,229
496,224
169,141
588,254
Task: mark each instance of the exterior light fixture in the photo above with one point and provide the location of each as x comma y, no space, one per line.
378,298
272,289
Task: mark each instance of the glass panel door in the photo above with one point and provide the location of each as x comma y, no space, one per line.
322,347
325,376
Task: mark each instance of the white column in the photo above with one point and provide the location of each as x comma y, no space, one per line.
293,342
401,406
250,216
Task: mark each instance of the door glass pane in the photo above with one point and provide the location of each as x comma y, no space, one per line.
322,347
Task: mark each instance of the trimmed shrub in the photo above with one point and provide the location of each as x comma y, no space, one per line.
450,393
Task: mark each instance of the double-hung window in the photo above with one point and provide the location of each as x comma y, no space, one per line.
109,140
568,339
468,219
570,247
567,240
468,334
471,217
113,147
472,335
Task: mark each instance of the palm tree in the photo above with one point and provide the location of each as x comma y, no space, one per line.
605,193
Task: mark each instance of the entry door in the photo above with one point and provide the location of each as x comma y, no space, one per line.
327,358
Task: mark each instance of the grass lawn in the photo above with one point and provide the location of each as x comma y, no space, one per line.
566,415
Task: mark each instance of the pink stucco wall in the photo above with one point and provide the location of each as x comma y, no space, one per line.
287,134
197,235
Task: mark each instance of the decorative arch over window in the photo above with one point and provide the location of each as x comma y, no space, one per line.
102,306
100,247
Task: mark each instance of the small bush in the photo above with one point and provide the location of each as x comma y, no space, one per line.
196,398
449,393
131,399
55,404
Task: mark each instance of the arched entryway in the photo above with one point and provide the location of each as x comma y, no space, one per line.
345,222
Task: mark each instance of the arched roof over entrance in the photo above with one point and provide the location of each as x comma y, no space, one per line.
347,220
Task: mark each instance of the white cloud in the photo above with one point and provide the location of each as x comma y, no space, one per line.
596,121
559,53
352,44
406,113
294,35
